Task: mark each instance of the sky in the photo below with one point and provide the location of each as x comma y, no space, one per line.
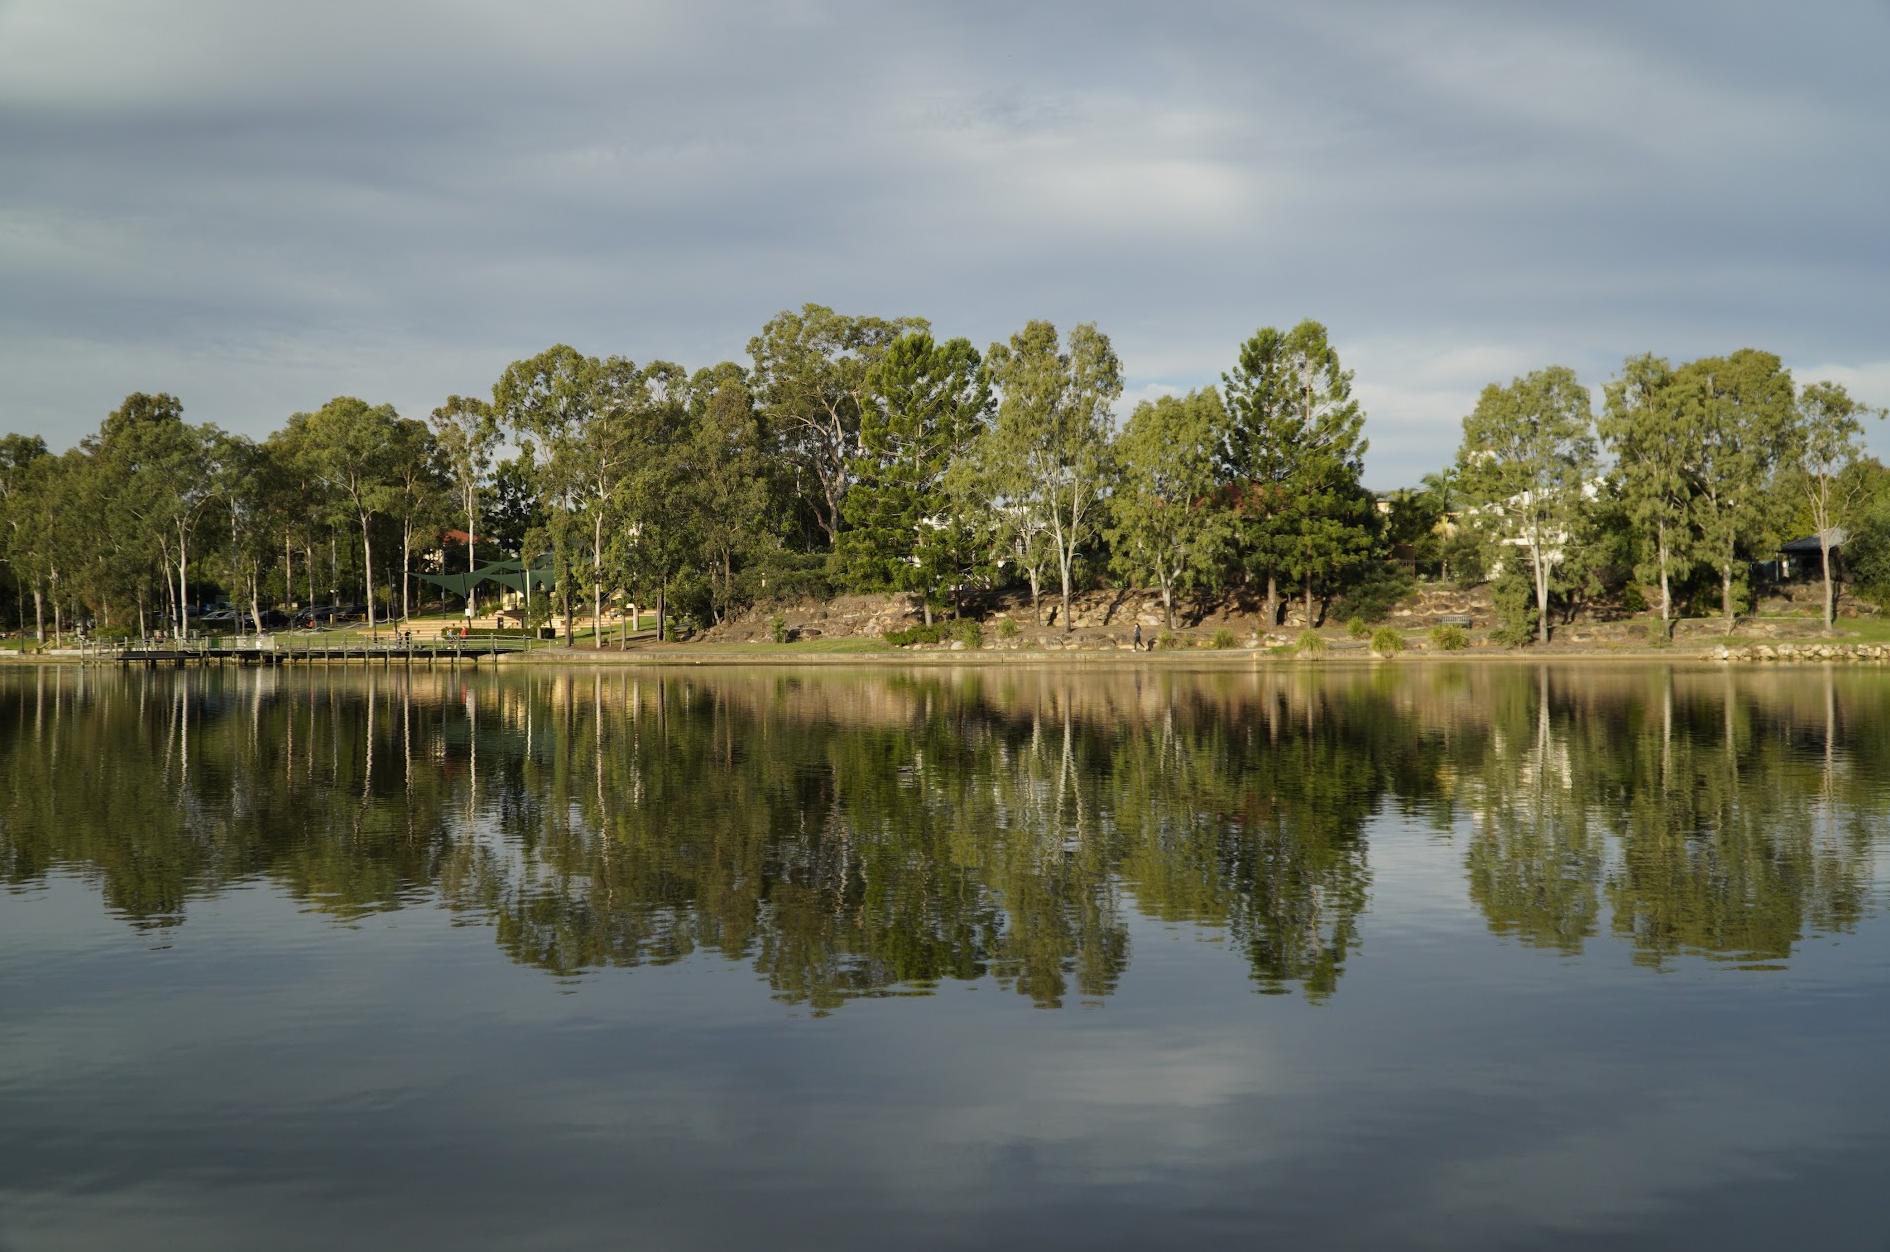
257,205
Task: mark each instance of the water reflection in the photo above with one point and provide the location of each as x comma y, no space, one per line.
873,833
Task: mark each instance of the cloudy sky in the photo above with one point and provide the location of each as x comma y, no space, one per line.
257,205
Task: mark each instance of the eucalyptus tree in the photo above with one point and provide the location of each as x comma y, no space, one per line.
811,372
415,494
731,487
351,445
925,403
1826,443
247,483
465,434
1164,524
1645,426
1739,408
661,498
1048,452
584,416
1527,457
20,471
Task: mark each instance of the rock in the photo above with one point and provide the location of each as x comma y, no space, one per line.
958,645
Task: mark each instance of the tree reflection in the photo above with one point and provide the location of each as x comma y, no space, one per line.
880,834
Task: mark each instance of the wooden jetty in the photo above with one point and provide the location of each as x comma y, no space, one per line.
280,650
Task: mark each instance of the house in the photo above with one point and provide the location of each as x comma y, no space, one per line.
1804,557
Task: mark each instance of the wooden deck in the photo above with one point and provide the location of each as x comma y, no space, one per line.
295,650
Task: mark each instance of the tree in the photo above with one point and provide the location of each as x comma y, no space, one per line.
1646,428
1826,443
1048,453
1290,459
731,487
1528,454
1739,408
465,433
586,416
1164,523
20,471
414,494
351,444
811,372
925,403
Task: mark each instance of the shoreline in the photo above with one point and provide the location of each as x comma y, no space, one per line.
788,656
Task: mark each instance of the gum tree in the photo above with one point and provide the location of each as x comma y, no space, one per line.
1164,524
1528,452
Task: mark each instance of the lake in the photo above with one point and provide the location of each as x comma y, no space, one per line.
1415,955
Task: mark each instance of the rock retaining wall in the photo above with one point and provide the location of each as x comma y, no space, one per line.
1803,652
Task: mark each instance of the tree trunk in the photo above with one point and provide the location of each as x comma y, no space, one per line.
662,611
1063,575
255,598
406,564
1726,595
1666,589
1168,602
39,614
1036,613
183,586
1273,601
288,568
1310,623
1830,601
367,570
597,582
141,630
1542,600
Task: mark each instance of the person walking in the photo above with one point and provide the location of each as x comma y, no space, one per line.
1137,645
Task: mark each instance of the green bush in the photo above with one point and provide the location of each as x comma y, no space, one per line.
1311,643
777,627
1224,639
1168,641
1375,589
1356,627
1387,642
1449,638
1007,628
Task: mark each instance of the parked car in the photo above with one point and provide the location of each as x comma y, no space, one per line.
320,615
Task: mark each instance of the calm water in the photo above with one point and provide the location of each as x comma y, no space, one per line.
1415,956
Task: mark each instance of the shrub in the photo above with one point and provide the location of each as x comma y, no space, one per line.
1387,642
1375,589
1356,627
1311,643
1449,638
1224,639
963,630
1168,641
1007,628
777,627
966,631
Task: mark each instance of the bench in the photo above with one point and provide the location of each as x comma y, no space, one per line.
1456,619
